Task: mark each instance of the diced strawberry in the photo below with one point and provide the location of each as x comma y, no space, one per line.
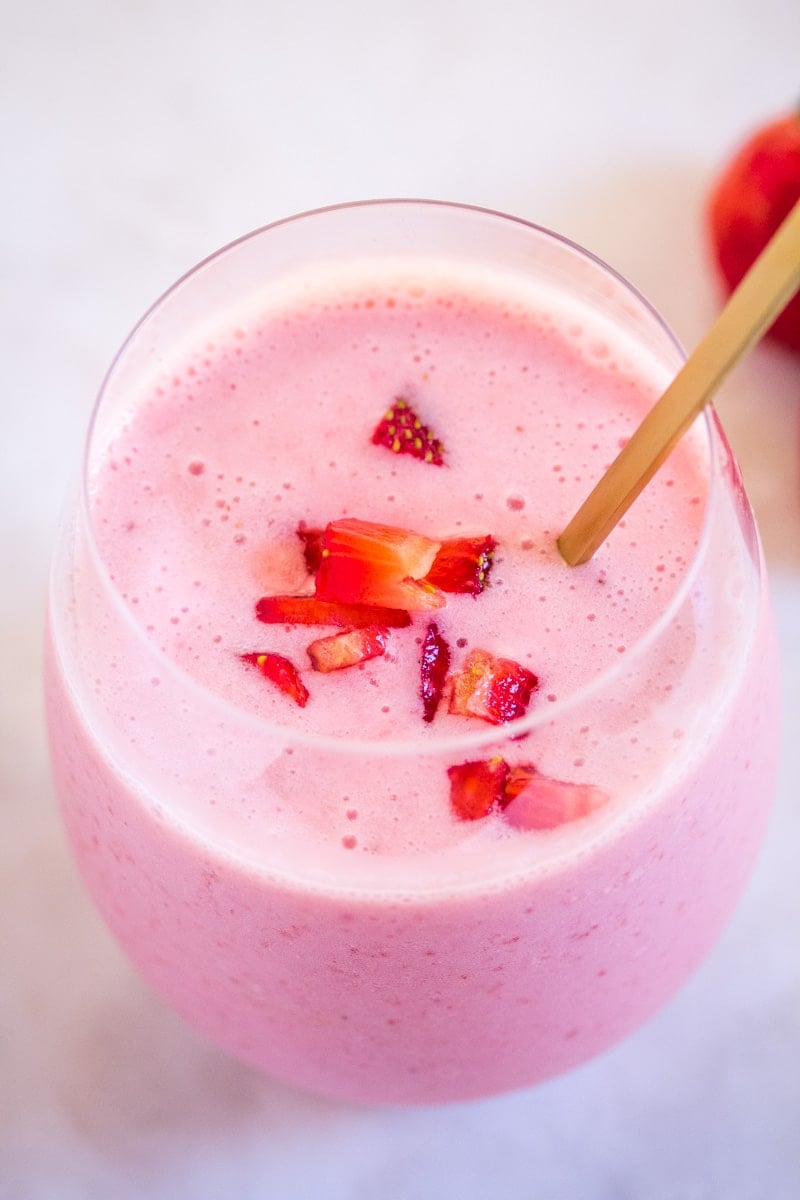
367,563
476,788
434,665
280,671
402,431
347,649
495,689
312,546
308,610
463,564
542,803
527,799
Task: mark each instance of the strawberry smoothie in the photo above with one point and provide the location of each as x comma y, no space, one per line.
369,785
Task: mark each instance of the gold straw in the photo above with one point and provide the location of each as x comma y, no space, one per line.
764,291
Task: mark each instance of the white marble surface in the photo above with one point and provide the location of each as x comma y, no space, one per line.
137,137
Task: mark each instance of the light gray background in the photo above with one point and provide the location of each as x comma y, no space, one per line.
137,137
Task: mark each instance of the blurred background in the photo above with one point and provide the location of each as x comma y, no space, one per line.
139,136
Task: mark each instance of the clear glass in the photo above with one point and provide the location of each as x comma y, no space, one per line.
409,975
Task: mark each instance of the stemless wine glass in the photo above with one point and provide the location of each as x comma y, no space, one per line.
212,840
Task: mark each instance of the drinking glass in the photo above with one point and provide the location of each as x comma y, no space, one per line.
218,846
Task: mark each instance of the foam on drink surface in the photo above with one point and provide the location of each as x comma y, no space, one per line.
267,423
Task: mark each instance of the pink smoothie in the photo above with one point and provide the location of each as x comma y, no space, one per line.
294,880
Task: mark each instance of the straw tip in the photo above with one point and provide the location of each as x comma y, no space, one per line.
572,550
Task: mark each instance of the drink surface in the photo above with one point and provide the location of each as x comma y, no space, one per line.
266,425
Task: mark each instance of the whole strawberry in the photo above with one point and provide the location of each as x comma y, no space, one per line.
750,200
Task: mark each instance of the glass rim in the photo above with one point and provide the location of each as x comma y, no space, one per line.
433,743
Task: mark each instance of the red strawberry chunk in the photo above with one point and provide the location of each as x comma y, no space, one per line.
527,799
463,564
402,432
495,689
367,563
434,665
282,672
308,610
312,546
542,803
476,788
347,649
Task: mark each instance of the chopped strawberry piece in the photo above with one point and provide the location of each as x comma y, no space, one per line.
280,671
476,788
527,799
312,546
367,563
495,689
434,665
402,432
347,649
308,610
463,564
542,803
